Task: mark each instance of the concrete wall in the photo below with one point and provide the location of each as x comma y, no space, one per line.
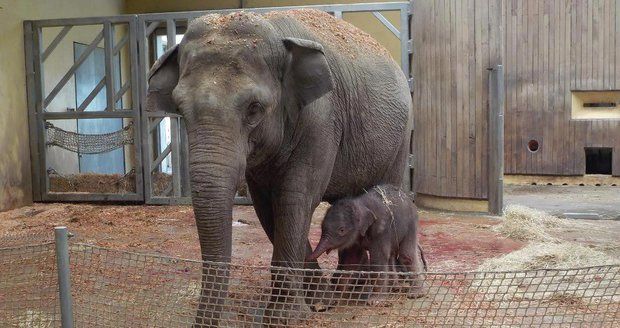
15,177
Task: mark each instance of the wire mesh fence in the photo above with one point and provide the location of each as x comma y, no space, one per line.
28,285
113,288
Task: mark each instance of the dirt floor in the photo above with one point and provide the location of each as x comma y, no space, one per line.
452,242
448,240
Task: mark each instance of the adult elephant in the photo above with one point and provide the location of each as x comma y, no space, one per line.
307,106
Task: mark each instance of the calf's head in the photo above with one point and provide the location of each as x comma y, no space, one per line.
345,223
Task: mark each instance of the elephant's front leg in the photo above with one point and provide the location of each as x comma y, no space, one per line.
292,211
379,266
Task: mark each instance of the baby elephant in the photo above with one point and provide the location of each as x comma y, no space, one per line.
384,222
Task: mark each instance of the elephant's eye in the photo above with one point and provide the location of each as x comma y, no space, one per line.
254,113
341,231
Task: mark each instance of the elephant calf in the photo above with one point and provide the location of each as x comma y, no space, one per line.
383,222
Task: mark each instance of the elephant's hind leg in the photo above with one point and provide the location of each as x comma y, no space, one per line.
411,258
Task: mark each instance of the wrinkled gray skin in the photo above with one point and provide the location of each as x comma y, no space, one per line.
265,97
384,222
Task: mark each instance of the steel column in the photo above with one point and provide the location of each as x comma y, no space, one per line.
496,140
61,237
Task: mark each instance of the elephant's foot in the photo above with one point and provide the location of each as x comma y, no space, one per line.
418,289
285,311
320,295
378,301
287,306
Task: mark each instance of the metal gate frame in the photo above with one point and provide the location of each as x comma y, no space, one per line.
140,31
37,101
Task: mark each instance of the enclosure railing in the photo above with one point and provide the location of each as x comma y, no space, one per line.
113,288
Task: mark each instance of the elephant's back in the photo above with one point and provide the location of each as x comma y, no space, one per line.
336,35
371,102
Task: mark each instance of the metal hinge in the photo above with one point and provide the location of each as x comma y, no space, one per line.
410,46
411,161
410,80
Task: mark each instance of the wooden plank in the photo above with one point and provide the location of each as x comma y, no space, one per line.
443,25
31,99
589,54
471,117
435,186
615,34
478,106
453,96
418,56
506,21
568,78
531,34
546,157
459,97
466,22
604,56
516,85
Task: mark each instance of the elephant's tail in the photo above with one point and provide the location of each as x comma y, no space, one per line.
423,258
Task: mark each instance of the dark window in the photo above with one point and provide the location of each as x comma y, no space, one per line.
599,105
598,160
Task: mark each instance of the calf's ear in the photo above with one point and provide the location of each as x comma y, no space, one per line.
307,72
163,78
365,219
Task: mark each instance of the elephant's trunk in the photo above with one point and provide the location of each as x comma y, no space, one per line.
324,246
215,169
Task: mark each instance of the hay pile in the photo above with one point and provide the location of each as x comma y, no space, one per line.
524,223
546,250
549,255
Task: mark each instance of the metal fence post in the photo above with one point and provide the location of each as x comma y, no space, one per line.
496,140
64,280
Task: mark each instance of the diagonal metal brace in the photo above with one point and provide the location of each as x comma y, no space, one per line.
91,47
387,23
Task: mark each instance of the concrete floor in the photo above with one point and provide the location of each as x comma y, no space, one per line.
568,201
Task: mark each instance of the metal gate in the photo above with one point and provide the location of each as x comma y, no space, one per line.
158,169
55,109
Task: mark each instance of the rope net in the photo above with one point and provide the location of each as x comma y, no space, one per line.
113,288
88,143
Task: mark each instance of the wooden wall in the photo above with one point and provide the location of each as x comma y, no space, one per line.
551,48
454,42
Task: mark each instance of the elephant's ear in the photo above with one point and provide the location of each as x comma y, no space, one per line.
307,70
163,78
366,218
